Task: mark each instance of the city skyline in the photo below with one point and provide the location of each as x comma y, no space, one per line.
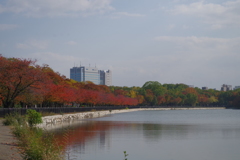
177,41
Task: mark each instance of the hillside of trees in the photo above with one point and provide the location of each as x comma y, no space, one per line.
24,83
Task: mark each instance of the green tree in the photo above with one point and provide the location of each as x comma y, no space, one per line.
156,87
212,99
191,99
154,101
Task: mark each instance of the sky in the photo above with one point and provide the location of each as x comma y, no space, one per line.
195,42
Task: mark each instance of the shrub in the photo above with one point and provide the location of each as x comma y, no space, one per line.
33,117
9,120
13,119
34,144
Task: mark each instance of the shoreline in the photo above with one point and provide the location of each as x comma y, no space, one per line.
64,120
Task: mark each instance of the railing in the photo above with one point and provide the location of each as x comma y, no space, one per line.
61,110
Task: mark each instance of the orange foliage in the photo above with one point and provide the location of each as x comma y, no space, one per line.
190,90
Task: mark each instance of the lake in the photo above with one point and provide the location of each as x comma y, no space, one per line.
156,135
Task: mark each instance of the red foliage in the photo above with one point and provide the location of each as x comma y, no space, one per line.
23,81
161,100
203,99
190,90
18,77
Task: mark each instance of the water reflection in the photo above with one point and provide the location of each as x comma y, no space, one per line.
104,138
100,132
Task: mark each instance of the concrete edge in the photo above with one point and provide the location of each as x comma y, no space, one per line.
60,121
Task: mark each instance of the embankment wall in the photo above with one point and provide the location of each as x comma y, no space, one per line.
56,121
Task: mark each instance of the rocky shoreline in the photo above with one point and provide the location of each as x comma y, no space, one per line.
61,121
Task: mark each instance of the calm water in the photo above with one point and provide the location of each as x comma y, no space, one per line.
158,135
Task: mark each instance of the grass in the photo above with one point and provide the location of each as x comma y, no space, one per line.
33,143
13,119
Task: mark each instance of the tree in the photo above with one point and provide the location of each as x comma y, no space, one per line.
191,99
154,101
212,99
161,100
155,86
149,96
17,76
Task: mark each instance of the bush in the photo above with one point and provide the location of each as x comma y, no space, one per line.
13,119
33,117
34,144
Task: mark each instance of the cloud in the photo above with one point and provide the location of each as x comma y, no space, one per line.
4,27
119,14
206,46
171,26
33,44
53,8
71,43
217,15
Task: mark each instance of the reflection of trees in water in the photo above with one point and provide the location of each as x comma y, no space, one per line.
96,135
179,132
77,136
152,131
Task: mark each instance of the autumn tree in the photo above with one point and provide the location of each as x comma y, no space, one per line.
17,76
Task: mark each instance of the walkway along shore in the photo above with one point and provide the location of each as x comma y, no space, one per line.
8,148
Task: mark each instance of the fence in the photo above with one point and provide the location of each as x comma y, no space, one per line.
22,111
60,110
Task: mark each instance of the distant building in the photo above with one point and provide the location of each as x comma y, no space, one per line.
92,74
102,77
204,88
83,74
226,87
105,77
77,74
236,87
108,78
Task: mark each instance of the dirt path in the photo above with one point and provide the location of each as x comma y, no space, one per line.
8,149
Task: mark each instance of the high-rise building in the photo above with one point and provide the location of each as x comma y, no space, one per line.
108,78
83,74
91,74
77,73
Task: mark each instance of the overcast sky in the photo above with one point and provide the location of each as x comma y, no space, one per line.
171,41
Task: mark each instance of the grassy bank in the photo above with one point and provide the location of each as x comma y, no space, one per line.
33,143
